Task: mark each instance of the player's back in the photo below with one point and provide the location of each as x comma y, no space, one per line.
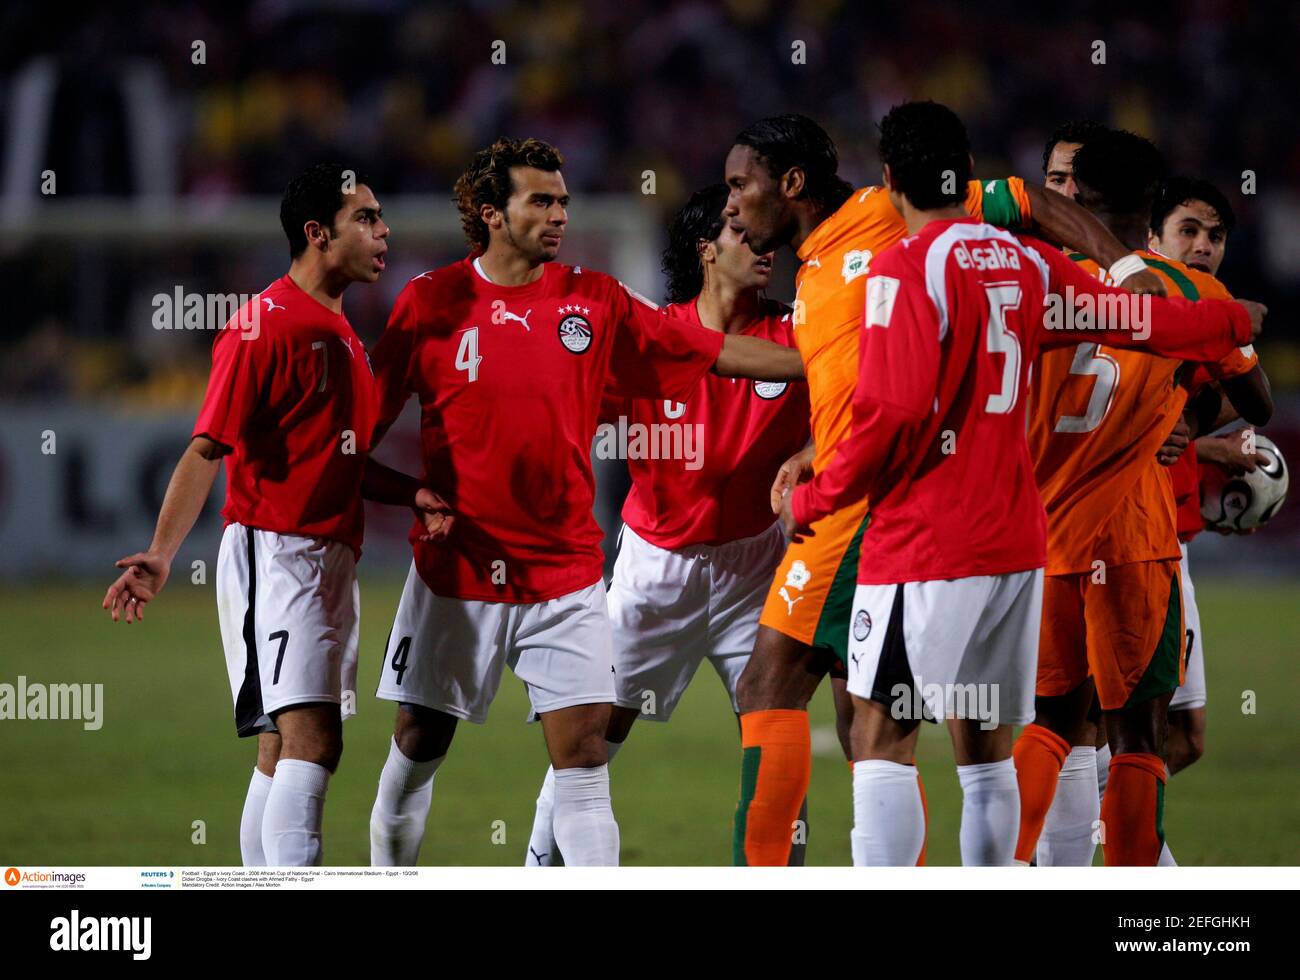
961,301
831,284
1097,416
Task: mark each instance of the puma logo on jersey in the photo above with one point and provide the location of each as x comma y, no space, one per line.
423,275
507,315
854,658
815,262
790,602
270,304
347,342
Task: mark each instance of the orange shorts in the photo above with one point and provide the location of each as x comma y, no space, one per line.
1127,632
811,598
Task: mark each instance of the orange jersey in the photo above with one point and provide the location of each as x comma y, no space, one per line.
1097,415
830,294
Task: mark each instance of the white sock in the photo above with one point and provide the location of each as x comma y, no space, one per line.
250,824
295,807
1103,769
401,809
1066,840
1166,859
543,852
888,819
799,846
584,825
990,813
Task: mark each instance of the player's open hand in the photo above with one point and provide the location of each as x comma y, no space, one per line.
435,513
1146,283
1257,313
794,471
143,578
1230,451
1175,444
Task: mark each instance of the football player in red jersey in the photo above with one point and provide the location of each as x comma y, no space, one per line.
945,620
699,543
289,407
509,353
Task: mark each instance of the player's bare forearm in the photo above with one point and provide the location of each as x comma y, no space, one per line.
1248,396
145,573
1064,222
187,491
757,358
385,485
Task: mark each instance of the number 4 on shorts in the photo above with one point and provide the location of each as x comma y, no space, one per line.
399,658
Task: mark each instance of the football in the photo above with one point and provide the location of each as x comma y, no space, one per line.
1239,503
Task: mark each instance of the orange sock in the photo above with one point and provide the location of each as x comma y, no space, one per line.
920,861
1132,811
773,783
1039,753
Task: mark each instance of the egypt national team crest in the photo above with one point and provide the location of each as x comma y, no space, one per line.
575,330
861,625
770,389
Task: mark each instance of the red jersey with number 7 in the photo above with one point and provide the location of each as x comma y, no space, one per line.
954,317
292,396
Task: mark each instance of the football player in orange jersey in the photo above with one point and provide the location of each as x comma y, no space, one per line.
785,190
1191,221
1112,604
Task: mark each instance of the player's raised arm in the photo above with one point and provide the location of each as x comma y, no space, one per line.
1066,223
145,572
1079,306
757,358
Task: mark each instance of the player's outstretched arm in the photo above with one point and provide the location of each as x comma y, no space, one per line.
1067,223
1079,307
385,485
145,572
757,358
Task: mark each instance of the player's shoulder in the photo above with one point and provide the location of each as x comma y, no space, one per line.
456,275
1189,282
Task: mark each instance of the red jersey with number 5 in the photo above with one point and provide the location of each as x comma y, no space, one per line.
510,380
954,317
292,396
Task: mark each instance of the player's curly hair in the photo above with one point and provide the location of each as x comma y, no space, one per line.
1075,131
700,220
487,181
1180,190
792,140
1119,172
316,194
928,153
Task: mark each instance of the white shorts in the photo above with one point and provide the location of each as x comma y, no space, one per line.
1191,693
449,654
953,648
670,609
289,609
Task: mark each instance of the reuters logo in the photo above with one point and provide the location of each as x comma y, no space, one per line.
12,876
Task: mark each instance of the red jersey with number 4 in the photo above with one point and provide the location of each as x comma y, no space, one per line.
954,318
702,468
292,396
510,380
